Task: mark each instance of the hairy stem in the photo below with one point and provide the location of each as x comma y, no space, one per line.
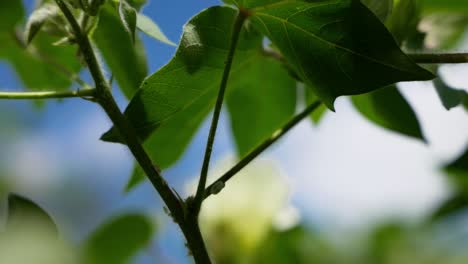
48,94
199,197
439,58
104,97
219,184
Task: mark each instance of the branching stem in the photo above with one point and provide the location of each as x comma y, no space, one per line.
219,184
199,197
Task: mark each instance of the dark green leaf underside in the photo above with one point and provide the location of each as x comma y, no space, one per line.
387,108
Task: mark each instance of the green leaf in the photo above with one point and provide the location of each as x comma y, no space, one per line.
23,212
38,18
191,79
449,96
118,50
128,16
456,6
318,114
147,26
260,102
458,172
337,47
405,19
456,203
381,8
387,108
11,13
118,240
41,65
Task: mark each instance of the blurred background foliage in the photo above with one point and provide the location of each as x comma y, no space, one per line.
251,222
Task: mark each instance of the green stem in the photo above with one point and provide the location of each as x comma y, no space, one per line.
199,197
104,97
48,94
219,184
439,58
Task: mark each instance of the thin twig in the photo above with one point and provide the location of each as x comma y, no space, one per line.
439,58
219,184
199,197
48,94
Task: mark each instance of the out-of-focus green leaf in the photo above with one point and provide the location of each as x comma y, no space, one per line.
128,16
337,47
190,80
11,13
318,114
458,171
41,65
138,175
449,96
381,8
260,102
24,212
453,205
456,6
118,50
118,240
444,30
389,109
37,19
297,245
404,21
147,26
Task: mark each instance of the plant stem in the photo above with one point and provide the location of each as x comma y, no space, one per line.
48,94
104,97
199,197
439,58
219,184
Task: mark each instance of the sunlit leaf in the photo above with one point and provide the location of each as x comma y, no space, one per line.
118,50
260,102
405,19
118,240
458,6
387,108
128,16
38,18
147,26
337,47
11,13
192,77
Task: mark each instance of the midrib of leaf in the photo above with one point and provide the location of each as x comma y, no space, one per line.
248,59
287,22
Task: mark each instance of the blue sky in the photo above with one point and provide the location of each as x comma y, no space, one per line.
345,172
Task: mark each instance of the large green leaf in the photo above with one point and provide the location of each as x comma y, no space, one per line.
23,212
387,108
118,50
381,8
11,13
450,96
337,47
260,102
404,21
41,65
458,6
192,77
118,240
